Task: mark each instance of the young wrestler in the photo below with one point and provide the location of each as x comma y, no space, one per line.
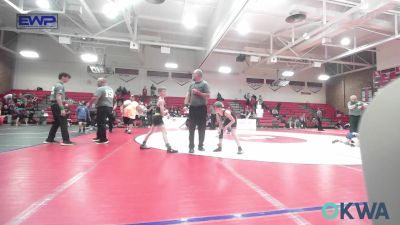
82,113
129,110
350,139
226,121
158,121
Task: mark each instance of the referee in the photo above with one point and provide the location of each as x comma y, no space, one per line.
356,109
196,99
57,97
103,98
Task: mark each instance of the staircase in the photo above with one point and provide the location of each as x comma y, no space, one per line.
236,108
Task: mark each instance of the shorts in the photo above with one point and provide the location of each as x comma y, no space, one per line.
158,120
82,120
127,121
226,122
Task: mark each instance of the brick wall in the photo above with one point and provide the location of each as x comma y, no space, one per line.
7,63
339,89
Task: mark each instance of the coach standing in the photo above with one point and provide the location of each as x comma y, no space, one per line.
197,99
57,97
355,110
103,98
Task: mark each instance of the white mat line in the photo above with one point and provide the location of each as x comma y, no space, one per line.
34,207
352,168
266,196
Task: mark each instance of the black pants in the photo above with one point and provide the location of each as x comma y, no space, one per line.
59,121
197,117
354,121
103,113
319,124
111,121
213,118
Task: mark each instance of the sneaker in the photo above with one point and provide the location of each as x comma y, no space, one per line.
67,143
102,142
191,150
95,139
50,142
219,149
170,150
142,146
129,131
201,149
240,151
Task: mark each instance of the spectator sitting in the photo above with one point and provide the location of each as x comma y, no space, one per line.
275,112
43,117
339,125
172,111
20,116
179,111
31,114
297,122
8,98
303,123
67,113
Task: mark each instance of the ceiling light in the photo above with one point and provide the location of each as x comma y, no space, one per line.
243,28
225,69
288,73
29,54
323,77
364,5
43,4
345,41
171,65
110,10
189,20
89,57
306,36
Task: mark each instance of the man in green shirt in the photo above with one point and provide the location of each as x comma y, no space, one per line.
103,98
356,108
197,98
57,97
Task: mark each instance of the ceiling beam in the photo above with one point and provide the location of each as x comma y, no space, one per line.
226,13
110,27
92,17
354,71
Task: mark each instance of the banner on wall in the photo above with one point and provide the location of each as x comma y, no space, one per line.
182,78
297,85
126,74
98,71
314,87
157,77
255,83
270,83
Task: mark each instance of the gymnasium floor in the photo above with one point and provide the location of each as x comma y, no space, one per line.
284,177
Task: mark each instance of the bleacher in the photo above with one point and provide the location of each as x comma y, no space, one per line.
287,109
